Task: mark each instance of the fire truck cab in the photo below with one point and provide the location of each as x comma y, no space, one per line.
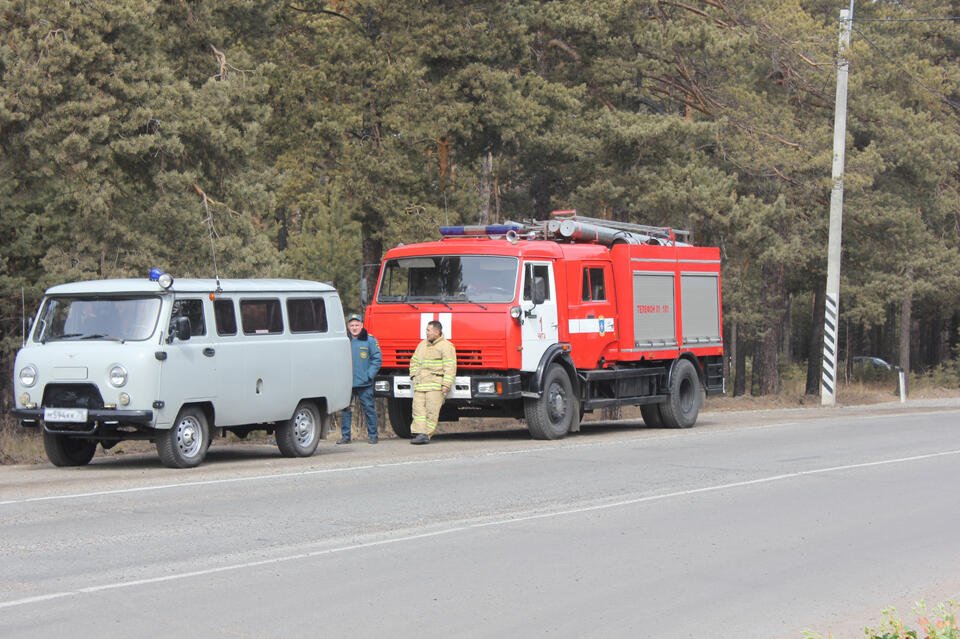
553,319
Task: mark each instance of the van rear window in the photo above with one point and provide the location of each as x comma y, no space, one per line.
260,317
307,315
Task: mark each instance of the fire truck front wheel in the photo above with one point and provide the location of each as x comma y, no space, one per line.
682,407
401,414
552,415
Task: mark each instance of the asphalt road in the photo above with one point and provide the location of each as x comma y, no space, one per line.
758,524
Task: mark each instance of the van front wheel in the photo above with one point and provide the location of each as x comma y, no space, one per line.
185,444
299,435
68,451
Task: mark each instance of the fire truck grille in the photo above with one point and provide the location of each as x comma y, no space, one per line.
469,356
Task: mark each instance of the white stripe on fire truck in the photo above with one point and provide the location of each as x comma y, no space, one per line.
445,319
591,325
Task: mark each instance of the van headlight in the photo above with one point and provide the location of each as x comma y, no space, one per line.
118,376
28,375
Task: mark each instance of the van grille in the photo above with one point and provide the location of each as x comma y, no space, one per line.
72,396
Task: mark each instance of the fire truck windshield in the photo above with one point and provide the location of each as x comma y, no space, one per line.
449,278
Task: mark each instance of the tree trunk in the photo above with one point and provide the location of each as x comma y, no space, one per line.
772,299
486,188
740,382
756,369
730,359
906,327
372,249
815,347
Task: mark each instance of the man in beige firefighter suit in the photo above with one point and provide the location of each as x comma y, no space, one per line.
432,370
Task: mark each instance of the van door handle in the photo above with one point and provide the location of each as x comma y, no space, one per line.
209,352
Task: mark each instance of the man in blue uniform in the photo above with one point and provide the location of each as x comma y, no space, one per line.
366,364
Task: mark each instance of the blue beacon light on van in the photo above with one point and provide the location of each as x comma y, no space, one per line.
165,280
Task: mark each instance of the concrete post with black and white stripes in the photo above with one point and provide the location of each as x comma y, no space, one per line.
828,380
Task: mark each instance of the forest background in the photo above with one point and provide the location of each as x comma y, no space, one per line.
304,138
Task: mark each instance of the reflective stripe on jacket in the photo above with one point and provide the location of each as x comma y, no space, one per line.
433,366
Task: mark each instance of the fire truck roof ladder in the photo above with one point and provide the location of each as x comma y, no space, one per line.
568,226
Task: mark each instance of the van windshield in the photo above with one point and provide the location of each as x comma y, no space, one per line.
97,318
449,278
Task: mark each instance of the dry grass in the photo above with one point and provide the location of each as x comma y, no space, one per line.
25,446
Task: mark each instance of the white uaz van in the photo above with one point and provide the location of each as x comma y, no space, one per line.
178,363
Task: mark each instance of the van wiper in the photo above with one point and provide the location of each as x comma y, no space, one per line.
102,336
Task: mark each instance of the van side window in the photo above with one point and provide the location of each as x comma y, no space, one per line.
192,310
260,317
225,317
594,287
531,271
307,315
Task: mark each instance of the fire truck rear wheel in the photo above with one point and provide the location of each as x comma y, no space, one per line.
401,414
63,450
682,407
551,415
651,415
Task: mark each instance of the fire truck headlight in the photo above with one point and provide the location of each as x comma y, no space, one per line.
516,312
486,388
381,386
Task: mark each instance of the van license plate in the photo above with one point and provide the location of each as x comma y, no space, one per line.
65,414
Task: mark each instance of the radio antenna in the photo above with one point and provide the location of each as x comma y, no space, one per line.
23,318
211,232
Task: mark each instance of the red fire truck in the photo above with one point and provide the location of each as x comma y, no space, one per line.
553,319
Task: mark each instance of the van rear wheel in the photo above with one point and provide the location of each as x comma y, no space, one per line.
299,435
63,450
185,444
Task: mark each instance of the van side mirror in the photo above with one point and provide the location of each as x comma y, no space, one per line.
179,328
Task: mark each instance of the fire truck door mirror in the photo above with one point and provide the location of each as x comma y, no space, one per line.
539,292
364,292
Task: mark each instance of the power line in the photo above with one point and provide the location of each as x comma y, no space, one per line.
947,19
953,105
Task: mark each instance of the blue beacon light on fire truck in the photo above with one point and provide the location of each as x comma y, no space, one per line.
489,229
